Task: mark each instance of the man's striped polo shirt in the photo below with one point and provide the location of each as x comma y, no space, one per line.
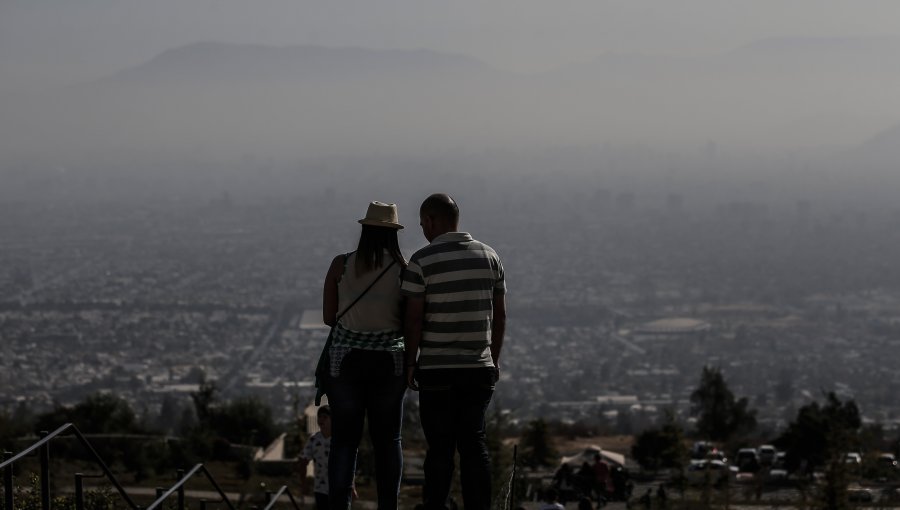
458,277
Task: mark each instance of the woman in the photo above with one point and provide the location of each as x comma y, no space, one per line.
366,357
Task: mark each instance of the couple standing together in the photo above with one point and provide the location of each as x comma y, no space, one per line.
434,324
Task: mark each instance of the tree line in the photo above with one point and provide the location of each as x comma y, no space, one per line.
205,430
818,432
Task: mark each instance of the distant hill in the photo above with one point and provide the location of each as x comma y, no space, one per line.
775,55
830,47
229,100
884,147
242,62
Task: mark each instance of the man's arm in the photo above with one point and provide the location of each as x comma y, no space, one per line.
498,329
415,313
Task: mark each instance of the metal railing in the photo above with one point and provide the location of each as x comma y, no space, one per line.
178,489
271,498
42,447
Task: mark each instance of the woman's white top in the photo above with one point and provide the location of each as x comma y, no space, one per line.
379,309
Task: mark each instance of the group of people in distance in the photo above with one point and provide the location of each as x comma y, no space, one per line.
598,480
434,324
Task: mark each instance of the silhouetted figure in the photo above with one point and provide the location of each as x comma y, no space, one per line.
602,480
317,450
364,375
453,357
661,496
647,498
550,501
585,504
621,485
564,482
584,479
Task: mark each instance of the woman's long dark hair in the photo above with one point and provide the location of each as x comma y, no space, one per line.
373,241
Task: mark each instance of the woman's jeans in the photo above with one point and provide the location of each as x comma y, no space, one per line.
366,388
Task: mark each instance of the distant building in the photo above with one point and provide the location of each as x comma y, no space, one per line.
626,401
742,211
311,414
671,329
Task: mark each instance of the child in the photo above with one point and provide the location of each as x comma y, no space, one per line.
316,450
552,503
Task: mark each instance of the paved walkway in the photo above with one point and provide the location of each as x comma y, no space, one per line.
234,497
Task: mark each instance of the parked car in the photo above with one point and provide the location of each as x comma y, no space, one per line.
747,460
766,454
860,495
779,473
700,449
744,477
887,460
709,471
716,454
890,495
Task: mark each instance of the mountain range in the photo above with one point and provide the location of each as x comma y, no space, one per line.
222,98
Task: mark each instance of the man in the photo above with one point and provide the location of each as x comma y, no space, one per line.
455,322
602,478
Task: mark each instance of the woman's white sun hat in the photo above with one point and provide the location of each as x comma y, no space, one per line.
380,214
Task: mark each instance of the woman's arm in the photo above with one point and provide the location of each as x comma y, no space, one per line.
330,292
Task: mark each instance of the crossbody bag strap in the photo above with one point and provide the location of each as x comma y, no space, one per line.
363,293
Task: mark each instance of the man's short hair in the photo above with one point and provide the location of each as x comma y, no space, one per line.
442,206
324,411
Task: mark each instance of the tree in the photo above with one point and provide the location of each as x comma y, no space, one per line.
660,448
13,425
105,413
245,420
204,398
496,425
537,449
820,432
100,413
719,416
169,411
195,375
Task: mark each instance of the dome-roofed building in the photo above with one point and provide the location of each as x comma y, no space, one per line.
670,328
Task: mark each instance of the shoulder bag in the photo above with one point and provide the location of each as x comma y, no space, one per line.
323,367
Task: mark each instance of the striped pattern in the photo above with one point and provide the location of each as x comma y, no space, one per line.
458,277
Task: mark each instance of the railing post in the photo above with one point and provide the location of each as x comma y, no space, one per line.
8,482
179,474
79,491
45,472
202,504
159,492
269,495
512,488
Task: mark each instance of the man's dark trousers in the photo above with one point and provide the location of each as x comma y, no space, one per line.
452,406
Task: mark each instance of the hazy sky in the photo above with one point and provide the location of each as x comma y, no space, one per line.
58,41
